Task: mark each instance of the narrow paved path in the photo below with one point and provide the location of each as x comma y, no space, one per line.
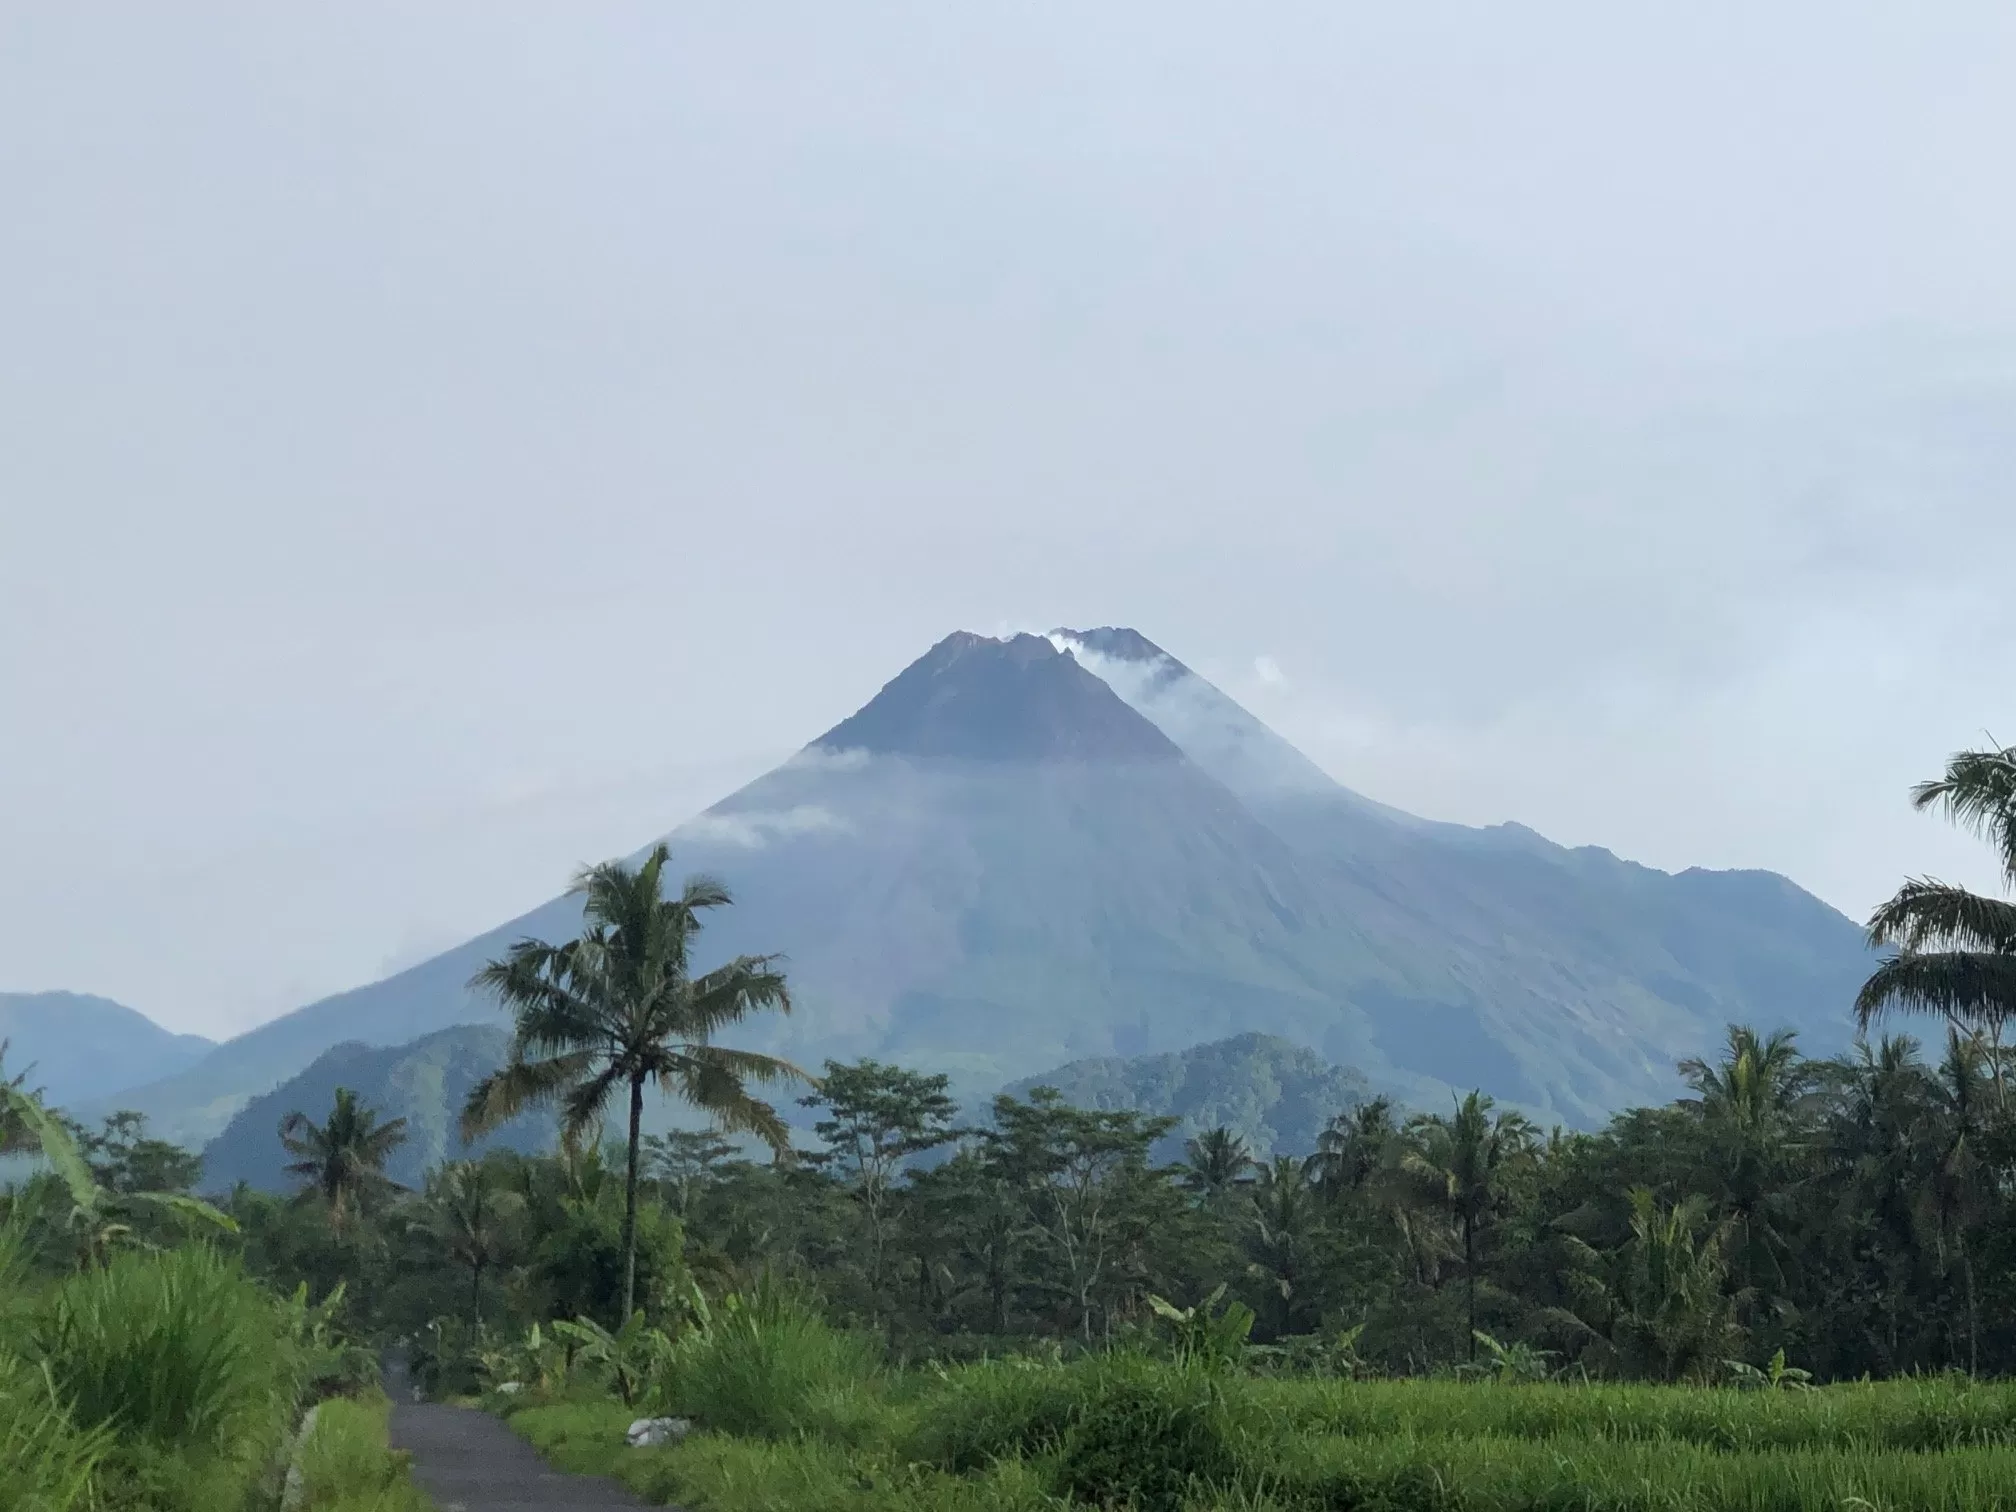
469,1462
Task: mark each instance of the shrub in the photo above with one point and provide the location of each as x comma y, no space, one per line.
996,1410
181,1360
345,1464
1146,1435
45,1463
766,1364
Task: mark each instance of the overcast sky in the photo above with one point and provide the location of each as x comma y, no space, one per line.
441,444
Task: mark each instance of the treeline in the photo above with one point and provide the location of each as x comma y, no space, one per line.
1855,1214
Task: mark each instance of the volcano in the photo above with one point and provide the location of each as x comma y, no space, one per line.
1038,849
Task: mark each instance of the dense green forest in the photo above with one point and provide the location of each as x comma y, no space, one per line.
1856,1216
905,1309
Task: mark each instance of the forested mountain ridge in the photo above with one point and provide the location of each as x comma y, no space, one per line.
1276,1096
425,1083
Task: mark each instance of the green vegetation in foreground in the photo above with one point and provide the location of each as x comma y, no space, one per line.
1104,1429
142,1370
345,1464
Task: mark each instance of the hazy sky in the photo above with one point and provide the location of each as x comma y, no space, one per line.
440,444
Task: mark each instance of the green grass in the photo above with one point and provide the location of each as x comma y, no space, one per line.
346,1465
723,1473
1490,1474
1104,1430
179,1361
1907,1415
769,1365
46,1463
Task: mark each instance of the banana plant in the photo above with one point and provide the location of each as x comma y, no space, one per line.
1509,1364
540,1362
1775,1375
102,1217
1208,1335
631,1356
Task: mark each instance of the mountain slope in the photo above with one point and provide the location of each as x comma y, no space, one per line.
1005,862
79,1048
1573,965
1274,1095
425,1083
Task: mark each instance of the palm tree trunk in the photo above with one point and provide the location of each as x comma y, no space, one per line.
1973,1317
630,1202
1470,1279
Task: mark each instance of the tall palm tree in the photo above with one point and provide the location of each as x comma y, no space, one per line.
469,1213
1955,949
343,1160
616,1009
1458,1164
1284,1220
1958,1191
1881,1146
1353,1147
1214,1163
1758,1107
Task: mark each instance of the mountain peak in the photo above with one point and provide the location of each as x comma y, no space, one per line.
1017,698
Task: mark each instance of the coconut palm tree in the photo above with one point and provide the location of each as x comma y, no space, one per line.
469,1213
1458,1165
342,1161
617,1009
1955,949
1961,1179
1214,1163
1758,1107
1353,1147
1285,1231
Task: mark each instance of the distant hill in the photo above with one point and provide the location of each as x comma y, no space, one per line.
1034,850
1275,1095
79,1048
425,1083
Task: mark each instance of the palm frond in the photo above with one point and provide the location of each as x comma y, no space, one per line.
1978,793
712,1087
730,993
702,891
1972,987
585,1102
747,1065
301,1135
382,1140
521,1084
1927,914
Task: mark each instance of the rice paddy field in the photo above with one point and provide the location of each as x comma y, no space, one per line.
1148,1434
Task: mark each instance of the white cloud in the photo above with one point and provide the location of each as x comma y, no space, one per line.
817,758
752,829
